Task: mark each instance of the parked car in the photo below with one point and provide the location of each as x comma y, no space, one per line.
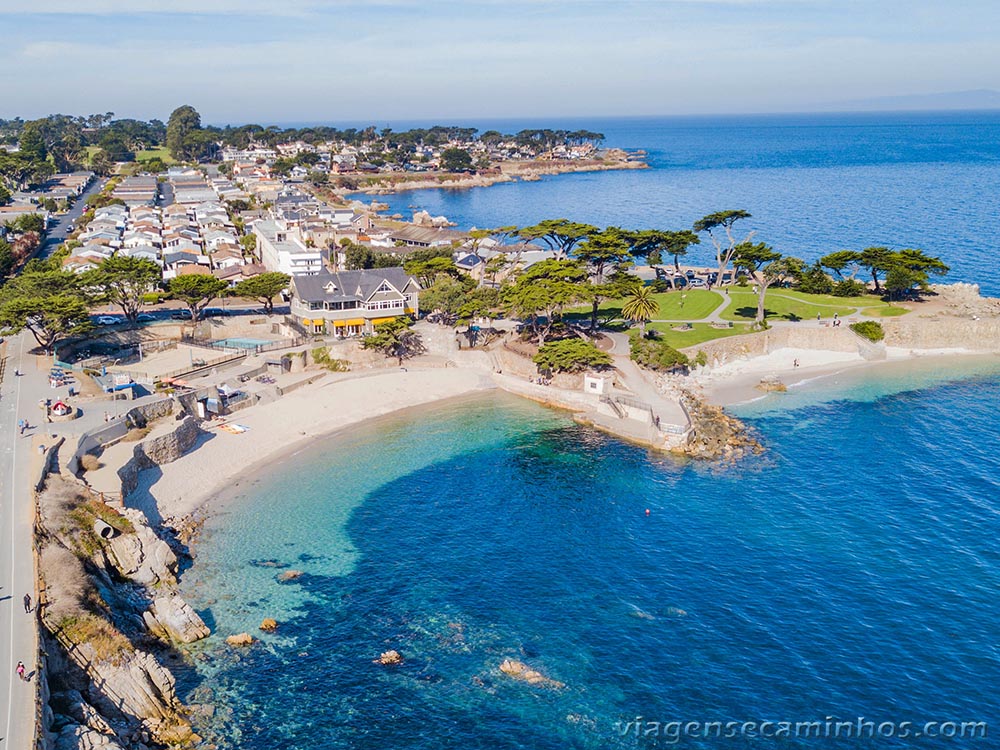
181,314
679,281
144,318
689,273
214,312
697,283
107,320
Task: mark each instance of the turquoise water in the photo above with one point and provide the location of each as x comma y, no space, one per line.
814,183
850,572
242,343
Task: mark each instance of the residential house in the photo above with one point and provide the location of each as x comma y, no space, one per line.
281,249
350,303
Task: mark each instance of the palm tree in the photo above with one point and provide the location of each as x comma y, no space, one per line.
640,306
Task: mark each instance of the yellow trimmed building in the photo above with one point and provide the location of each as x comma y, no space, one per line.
350,303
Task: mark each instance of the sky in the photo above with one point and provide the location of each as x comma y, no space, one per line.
284,61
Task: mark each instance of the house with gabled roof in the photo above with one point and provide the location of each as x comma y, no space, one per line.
349,303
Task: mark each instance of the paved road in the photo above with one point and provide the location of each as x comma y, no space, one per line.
60,230
17,629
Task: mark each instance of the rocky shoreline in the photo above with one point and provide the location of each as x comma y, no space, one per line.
111,622
508,172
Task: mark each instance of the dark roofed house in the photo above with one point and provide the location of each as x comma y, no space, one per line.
349,303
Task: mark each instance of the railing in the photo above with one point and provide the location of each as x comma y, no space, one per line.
630,401
257,349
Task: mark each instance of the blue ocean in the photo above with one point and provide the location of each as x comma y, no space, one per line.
813,183
848,575
839,591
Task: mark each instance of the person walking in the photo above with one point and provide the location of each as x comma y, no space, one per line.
27,603
20,669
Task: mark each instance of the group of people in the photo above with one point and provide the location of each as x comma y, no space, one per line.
20,669
836,319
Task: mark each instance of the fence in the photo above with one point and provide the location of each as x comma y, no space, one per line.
272,346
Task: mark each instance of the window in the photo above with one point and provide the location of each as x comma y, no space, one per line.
392,304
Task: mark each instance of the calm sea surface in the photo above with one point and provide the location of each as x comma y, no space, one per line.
851,572
814,183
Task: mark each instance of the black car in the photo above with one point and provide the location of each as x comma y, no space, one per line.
181,315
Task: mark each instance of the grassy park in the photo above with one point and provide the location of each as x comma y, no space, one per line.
788,304
699,333
697,304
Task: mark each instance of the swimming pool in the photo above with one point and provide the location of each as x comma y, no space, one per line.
242,343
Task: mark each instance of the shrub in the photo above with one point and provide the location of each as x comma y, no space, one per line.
870,329
701,359
660,286
657,355
321,356
849,288
89,462
570,355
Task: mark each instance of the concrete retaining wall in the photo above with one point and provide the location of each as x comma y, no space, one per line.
943,333
157,451
721,351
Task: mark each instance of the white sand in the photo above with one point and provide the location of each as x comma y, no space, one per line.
288,424
736,382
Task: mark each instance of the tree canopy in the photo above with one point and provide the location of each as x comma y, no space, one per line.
49,304
196,291
264,288
124,280
570,355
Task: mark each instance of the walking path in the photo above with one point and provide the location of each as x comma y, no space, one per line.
17,568
668,410
20,460
716,315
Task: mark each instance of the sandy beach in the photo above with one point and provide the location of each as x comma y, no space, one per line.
288,424
337,402
737,382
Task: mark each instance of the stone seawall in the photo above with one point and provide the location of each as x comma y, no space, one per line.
722,351
943,333
162,449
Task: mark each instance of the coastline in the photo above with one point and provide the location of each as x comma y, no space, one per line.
282,428
739,386
520,171
220,460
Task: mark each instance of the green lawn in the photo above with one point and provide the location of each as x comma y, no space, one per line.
701,333
679,305
152,153
885,311
789,304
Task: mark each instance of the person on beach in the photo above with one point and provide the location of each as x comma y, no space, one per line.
795,363
27,603
20,670
818,317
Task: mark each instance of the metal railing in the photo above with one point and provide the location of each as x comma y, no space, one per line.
271,346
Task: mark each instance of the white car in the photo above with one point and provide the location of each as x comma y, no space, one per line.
697,284
108,320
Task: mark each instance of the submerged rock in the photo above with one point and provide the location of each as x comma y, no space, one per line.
771,385
521,671
240,640
269,625
289,575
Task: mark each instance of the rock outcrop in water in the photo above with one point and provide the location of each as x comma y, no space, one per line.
716,434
